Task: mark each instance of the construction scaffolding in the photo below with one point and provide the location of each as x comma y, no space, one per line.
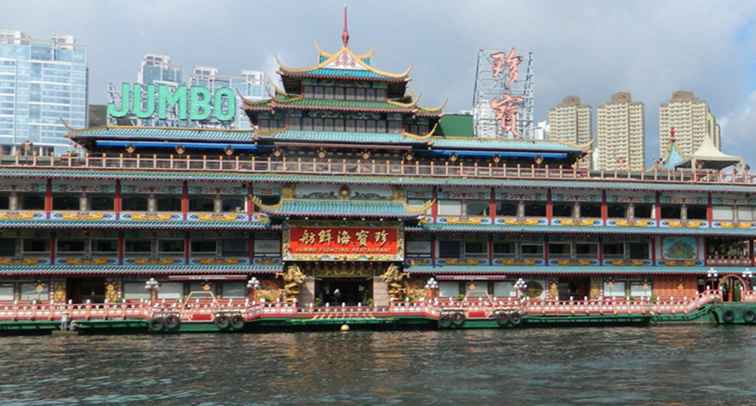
503,99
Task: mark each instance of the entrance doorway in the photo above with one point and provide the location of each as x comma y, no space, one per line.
576,288
732,287
350,291
81,290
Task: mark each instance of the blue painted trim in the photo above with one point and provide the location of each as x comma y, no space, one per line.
502,154
173,145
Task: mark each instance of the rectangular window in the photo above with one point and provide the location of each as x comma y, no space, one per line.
448,289
135,203
171,246
138,246
616,211
66,202
614,250
697,212
745,213
72,246
201,203
307,124
531,250
535,209
101,246
171,290
640,289
169,203
204,247
234,248
590,210
476,208
504,289
449,249
101,203
614,289
338,93
449,208
4,202
586,250
32,202
234,289
723,213
232,204
135,291
639,250
563,209
7,247
559,249
476,248
505,209
6,292
267,246
37,245
476,289
643,211
503,248
671,211
30,291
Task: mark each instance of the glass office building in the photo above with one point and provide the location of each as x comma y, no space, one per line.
43,89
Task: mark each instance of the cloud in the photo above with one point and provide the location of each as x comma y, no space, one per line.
739,127
587,48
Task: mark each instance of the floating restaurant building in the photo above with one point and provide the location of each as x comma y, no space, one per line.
348,190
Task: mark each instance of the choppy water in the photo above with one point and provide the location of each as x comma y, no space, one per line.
689,365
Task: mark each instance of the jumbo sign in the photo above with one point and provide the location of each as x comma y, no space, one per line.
195,103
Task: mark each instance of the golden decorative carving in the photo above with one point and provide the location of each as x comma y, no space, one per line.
395,282
293,278
112,290
59,291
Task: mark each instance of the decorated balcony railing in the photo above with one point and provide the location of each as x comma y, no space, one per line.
132,218
728,260
365,167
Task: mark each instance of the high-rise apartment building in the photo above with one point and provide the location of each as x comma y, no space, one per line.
43,89
692,120
249,84
159,69
541,132
620,134
570,123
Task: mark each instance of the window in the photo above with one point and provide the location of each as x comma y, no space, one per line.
590,210
135,291
104,246
503,248
640,289
234,248
170,290
168,203
201,203
138,246
134,203
476,208
448,289
531,250
476,248
616,211
614,288
232,204
204,247
270,200
476,289
7,247
559,249
723,213
614,250
449,249
233,289
563,209
4,202
66,202
504,289
671,211
6,292
37,245
72,246
101,203
643,211
31,291
269,245
534,209
171,246
745,213
587,250
638,250
506,209
449,207
697,212
338,93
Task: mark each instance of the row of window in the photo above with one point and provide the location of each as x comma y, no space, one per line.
344,93
132,290
557,249
98,202
103,246
614,287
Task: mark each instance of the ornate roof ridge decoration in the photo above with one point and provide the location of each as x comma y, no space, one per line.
267,207
162,128
426,136
270,132
325,54
585,147
420,209
409,210
359,59
435,110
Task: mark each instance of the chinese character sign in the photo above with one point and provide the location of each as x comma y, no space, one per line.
344,241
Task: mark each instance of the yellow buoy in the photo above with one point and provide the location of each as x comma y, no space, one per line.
344,327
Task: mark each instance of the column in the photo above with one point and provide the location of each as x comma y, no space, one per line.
576,210
684,211
83,202
434,207
657,209
151,203
218,204
709,209
184,199
250,202
604,207
520,209
48,198
492,206
13,201
630,211
118,200
549,207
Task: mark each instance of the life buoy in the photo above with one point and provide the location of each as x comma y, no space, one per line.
156,325
458,319
728,316
515,318
221,322
172,323
445,321
237,322
502,319
749,316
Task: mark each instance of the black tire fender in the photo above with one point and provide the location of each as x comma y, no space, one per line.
237,322
502,319
172,323
749,316
156,325
728,316
458,319
515,318
221,322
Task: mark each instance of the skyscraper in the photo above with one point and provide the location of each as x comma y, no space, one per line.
692,120
621,129
158,69
43,89
570,123
249,84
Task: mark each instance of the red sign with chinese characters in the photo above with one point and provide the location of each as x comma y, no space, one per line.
344,241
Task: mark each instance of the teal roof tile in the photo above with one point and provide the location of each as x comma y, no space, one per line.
342,137
508,145
164,133
342,208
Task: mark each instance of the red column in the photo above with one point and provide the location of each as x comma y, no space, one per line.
604,207
184,199
120,247
434,208
492,206
250,202
186,248
709,209
549,207
118,201
251,247
48,198
657,209
53,238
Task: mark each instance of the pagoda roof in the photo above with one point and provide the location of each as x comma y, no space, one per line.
405,105
344,64
347,137
674,158
342,208
162,133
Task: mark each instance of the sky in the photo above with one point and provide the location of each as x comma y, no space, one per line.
590,49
